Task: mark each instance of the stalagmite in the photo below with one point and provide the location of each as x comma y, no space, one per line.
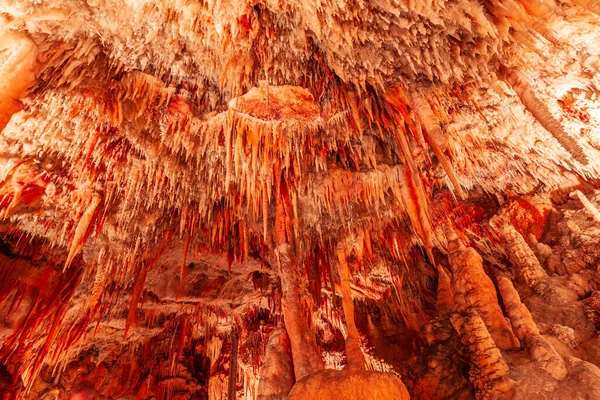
527,266
277,372
528,332
487,371
353,382
82,229
474,290
587,374
521,319
349,384
445,297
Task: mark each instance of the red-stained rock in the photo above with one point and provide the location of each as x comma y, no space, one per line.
349,385
17,63
528,215
277,372
440,372
281,103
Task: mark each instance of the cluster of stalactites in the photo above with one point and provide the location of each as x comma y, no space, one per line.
215,40
140,146
239,153
240,157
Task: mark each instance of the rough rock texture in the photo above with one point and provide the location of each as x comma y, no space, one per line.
445,298
409,188
441,370
488,370
527,266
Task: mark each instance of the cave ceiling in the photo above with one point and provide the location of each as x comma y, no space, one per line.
164,165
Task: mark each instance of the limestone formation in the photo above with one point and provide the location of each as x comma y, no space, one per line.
321,199
527,331
527,266
488,370
17,65
474,290
276,378
304,351
445,297
349,384
356,359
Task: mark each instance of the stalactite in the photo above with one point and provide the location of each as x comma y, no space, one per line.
83,228
540,112
248,113
31,373
304,351
186,248
213,351
435,138
487,370
25,184
416,208
587,204
41,330
356,359
412,174
136,293
100,279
